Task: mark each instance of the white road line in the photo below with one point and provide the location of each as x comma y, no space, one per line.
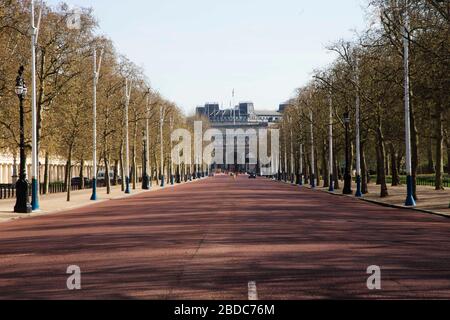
252,291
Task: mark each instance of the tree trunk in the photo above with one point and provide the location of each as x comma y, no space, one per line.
39,102
156,166
414,149
116,172
439,149
307,170
107,178
387,165
381,161
134,169
325,170
46,173
122,172
395,174
430,166
337,174
317,169
68,182
448,155
379,173
399,164
82,185
364,178
66,176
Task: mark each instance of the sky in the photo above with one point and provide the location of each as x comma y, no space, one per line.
198,51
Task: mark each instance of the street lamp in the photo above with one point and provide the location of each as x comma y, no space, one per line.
128,85
22,200
285,168
94,116
300,169
331,157
172,176
145,174
279,164
300,160
358,135
292,152
347,174
34,143
161,127
145,177
410,202
313,161
178,170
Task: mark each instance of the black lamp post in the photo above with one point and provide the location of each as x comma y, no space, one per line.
347,174
22,199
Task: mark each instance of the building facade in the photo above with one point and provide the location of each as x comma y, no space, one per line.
240,119
9,169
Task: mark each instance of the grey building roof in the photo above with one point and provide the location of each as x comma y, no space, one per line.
268,113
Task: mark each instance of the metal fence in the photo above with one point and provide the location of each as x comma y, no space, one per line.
429,181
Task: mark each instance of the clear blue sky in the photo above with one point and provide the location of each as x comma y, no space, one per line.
199,50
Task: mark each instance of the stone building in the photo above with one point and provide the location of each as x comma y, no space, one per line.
244,116
9,169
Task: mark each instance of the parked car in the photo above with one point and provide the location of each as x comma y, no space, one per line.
252,176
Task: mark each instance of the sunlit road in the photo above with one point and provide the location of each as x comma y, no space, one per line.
209,239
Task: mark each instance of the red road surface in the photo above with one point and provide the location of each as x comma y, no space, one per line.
207,240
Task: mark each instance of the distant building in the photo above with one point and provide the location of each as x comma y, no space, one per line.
243,116
283,107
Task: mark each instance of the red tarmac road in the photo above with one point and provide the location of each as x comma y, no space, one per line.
209,239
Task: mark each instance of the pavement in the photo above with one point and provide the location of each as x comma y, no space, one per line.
430,201
54,203
219,237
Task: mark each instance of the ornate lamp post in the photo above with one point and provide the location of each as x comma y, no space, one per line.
22,199
347,174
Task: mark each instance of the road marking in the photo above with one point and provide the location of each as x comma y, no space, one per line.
252,291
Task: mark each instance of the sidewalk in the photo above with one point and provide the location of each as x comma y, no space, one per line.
55,203
430,200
